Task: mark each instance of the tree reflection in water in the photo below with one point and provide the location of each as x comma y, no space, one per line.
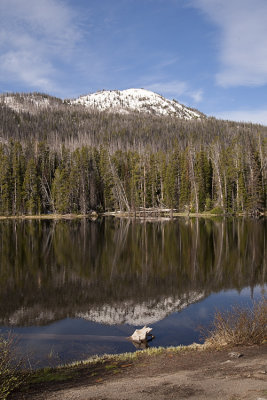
59,269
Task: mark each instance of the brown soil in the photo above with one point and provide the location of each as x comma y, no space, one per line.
170,375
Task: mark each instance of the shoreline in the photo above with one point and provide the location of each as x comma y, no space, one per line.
156,215
123,376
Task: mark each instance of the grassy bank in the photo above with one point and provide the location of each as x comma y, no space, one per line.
48,216
117,214
233,328
95,368
123,214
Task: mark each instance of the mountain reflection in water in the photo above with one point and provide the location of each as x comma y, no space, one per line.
74,288
116,271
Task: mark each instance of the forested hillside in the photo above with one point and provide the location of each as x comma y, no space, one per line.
64,159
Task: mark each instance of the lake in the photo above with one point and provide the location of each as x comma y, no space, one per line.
74,288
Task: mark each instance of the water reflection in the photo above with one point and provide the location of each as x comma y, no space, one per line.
116,271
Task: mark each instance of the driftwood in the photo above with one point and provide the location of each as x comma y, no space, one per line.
142,335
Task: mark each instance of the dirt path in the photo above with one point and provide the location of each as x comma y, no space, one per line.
187,375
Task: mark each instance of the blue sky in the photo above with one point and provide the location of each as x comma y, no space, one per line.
208,54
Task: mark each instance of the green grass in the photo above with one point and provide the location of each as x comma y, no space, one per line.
111,366
50,375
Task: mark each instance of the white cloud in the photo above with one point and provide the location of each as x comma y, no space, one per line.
175,89
28,68
197,96
254,116
34,37
243,44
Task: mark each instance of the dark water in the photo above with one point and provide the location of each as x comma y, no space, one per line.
74,288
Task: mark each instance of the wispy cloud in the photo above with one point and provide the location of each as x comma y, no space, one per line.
197,95
254,116
175,89
243,42
168,88
34,37
27,67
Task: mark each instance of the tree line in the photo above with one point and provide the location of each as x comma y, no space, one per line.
68,159
37,178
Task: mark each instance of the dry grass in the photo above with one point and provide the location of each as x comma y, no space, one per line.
11,374
239,326
152,351
46,216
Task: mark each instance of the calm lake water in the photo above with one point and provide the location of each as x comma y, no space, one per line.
74,288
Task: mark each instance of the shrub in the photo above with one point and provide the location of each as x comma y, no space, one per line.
208,204
239,326
217,210
11,375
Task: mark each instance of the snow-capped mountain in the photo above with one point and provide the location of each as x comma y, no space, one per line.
127,312
145,313
136,100
113,101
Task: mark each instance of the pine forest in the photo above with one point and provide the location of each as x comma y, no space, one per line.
63,159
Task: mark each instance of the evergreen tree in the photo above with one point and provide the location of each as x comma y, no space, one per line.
45,168
171,189
107,180
134,182
18,167
5,183
30,189
255,201
185,191
61,191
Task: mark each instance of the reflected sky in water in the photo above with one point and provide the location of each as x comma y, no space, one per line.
72,289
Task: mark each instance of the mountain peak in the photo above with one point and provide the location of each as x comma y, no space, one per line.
114,101
136,100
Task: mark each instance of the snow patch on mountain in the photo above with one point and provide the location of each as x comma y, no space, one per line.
114,101
145,313
29,102
27,316
128,312
136,100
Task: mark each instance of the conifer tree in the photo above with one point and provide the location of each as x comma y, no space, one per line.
203,170
107,181
45,168
31,196
5,183
134,182
185,191
61,191
18,166
255,201
171,189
